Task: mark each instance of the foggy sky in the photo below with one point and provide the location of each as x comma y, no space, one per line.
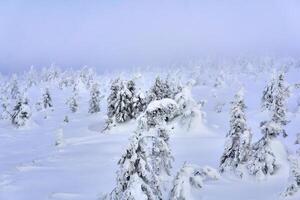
116,34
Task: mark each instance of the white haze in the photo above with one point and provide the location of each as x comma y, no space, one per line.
117,34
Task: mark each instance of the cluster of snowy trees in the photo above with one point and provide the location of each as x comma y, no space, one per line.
18,107
258,158
240,157
145,167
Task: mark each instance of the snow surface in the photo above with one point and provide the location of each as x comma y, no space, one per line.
32,167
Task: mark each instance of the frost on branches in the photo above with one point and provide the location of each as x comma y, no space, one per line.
135,177
95,99
274,100
21,113
191,176
238,138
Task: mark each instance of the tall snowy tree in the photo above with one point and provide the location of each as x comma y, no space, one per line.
238,138
47,100
274,100
262,161
21,113
73,100
14,87
190,110
161,155
135,178
95,99
123,102
162,89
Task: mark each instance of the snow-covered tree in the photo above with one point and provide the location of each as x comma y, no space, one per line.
294,177
123,102
262,161
162,89
238,138
274,100
87,76
139,103
5,106
189,109
21,113
72,102
14,87
191,177
95,99
135,177
161,155
47,100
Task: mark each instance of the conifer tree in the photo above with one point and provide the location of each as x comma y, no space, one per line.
274,101
14,88
47,100
162,89
162,158
238,138
21,113
123,102
135,178
95,100
73,100
262,161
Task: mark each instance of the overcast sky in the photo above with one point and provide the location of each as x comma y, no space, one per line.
116,34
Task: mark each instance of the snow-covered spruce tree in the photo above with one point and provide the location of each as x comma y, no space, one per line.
135,177
280,98
47,100
123,103
73,100
262,161
191,176
14,87
21,113
162,89
95,99
274,100
5,106
120,103
294,178
268,95
161,155
139,103
237,146
189,109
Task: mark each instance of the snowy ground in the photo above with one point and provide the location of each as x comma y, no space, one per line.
33,168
